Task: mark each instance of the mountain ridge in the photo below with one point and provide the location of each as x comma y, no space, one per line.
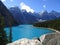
9,20
23,16
37,16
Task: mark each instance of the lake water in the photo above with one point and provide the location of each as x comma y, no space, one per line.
27,31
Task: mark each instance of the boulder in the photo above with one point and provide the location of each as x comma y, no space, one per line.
47,37
25,41
55,41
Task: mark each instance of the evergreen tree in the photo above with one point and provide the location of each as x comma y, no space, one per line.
3,36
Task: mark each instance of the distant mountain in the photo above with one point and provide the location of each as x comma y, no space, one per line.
17,14
37,15
48,16
54,13
9,20
22,16
30,18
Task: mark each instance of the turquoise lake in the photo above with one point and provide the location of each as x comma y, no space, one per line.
27,31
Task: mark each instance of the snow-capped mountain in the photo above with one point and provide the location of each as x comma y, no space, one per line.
57,14
49,16
17,14
22,16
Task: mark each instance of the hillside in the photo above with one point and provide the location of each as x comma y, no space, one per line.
8,18
54,24
22,16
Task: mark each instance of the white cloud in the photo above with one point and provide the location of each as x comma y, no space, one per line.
26,7
44,6
3,0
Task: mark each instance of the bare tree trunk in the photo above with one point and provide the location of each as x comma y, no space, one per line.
10,34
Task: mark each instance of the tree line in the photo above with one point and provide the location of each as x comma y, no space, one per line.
4,39
54,24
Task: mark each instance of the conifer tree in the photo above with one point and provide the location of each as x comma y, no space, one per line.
3,35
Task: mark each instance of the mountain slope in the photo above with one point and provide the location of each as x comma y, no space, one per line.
57,14
17,14
23,16
9,20
30,18
47,16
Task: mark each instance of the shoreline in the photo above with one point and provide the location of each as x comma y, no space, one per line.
54,30
50,29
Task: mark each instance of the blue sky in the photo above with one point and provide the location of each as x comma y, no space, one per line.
34,5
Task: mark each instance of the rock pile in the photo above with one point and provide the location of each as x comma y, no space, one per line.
25,41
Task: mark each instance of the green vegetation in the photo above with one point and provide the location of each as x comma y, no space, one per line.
3,36
54,24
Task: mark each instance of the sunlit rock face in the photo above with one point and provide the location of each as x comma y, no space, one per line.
25,41
55,41
50,39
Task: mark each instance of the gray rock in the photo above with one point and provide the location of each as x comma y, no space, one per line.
25,41
55,41
48,37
